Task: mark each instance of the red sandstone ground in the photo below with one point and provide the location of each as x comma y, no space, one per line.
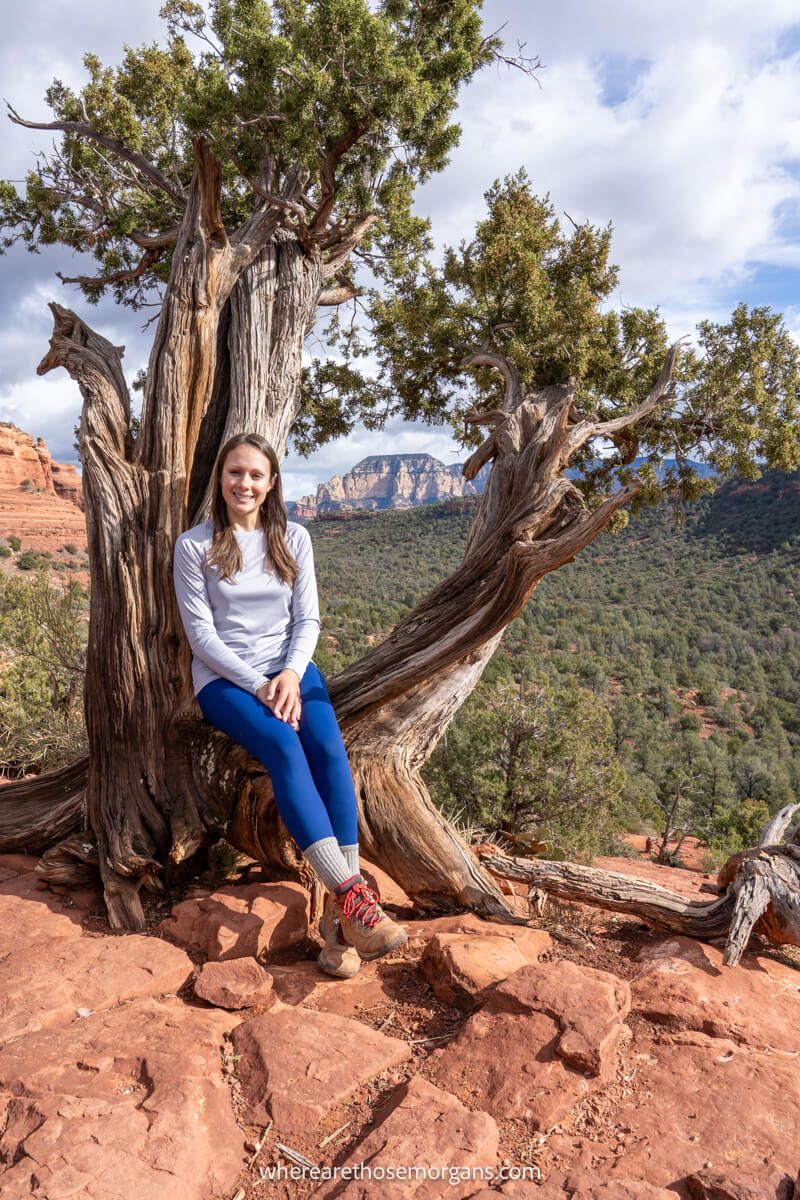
691,1064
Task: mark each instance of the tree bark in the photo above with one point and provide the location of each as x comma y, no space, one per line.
142,810
148,802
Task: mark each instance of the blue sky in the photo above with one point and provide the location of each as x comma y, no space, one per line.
678,121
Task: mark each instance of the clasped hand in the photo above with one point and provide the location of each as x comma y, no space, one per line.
282,695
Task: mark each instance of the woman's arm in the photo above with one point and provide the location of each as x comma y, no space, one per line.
305,607
198,621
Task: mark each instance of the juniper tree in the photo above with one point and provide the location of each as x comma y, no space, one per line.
255,170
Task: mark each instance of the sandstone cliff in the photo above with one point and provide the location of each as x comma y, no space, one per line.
41,501
388,481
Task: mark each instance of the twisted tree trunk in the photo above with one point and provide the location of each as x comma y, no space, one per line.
226,357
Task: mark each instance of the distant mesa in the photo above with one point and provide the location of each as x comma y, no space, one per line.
385,481
382,481
41,501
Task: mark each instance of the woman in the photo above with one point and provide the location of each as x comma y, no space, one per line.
247,596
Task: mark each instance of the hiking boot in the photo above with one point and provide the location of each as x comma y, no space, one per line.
364,924
336,957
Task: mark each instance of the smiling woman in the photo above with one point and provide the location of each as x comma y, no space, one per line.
245,479
247,595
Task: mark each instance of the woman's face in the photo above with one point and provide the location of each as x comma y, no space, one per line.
245,478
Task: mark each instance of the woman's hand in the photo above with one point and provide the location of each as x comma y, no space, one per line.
282,695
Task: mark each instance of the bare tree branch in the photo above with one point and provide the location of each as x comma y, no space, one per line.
146,261
654,398
338,295
327,175
84,130
509,371
352,234
152,241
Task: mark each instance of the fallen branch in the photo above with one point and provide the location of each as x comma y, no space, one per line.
762,893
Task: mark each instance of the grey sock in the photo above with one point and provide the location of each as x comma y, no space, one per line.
351,857
329,862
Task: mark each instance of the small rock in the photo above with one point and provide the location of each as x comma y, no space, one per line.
241,922
461,967
238,983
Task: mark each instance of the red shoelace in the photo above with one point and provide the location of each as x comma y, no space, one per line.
361,903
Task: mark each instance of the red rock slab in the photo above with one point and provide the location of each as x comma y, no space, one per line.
532,942
128,1103
297,1064
17,864
589,1005
251,921
684,984
461,967
29,915
56,983
545,1039
424,1145
304,983
705,1103
238,983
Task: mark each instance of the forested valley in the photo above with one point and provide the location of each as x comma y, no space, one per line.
652,685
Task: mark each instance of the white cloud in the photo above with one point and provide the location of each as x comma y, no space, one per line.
694,167
40,406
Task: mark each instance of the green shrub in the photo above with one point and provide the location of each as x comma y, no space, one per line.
29,560
5,552
14,542
43,654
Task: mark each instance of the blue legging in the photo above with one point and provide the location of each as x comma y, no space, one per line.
310,774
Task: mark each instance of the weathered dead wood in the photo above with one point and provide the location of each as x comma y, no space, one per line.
141,813
773,832
653,904
762,894
37,813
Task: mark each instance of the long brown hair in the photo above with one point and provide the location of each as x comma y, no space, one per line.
225,553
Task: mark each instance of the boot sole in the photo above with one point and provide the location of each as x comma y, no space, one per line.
337,974
394,945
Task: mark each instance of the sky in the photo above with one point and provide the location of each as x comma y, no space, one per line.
677,121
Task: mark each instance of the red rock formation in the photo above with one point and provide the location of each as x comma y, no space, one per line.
665,1074
41,501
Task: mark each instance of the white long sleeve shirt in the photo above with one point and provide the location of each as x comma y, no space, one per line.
250,627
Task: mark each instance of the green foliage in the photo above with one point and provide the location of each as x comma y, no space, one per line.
14,542
373,85
42,650
523,758
712,602
527,288
30,560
